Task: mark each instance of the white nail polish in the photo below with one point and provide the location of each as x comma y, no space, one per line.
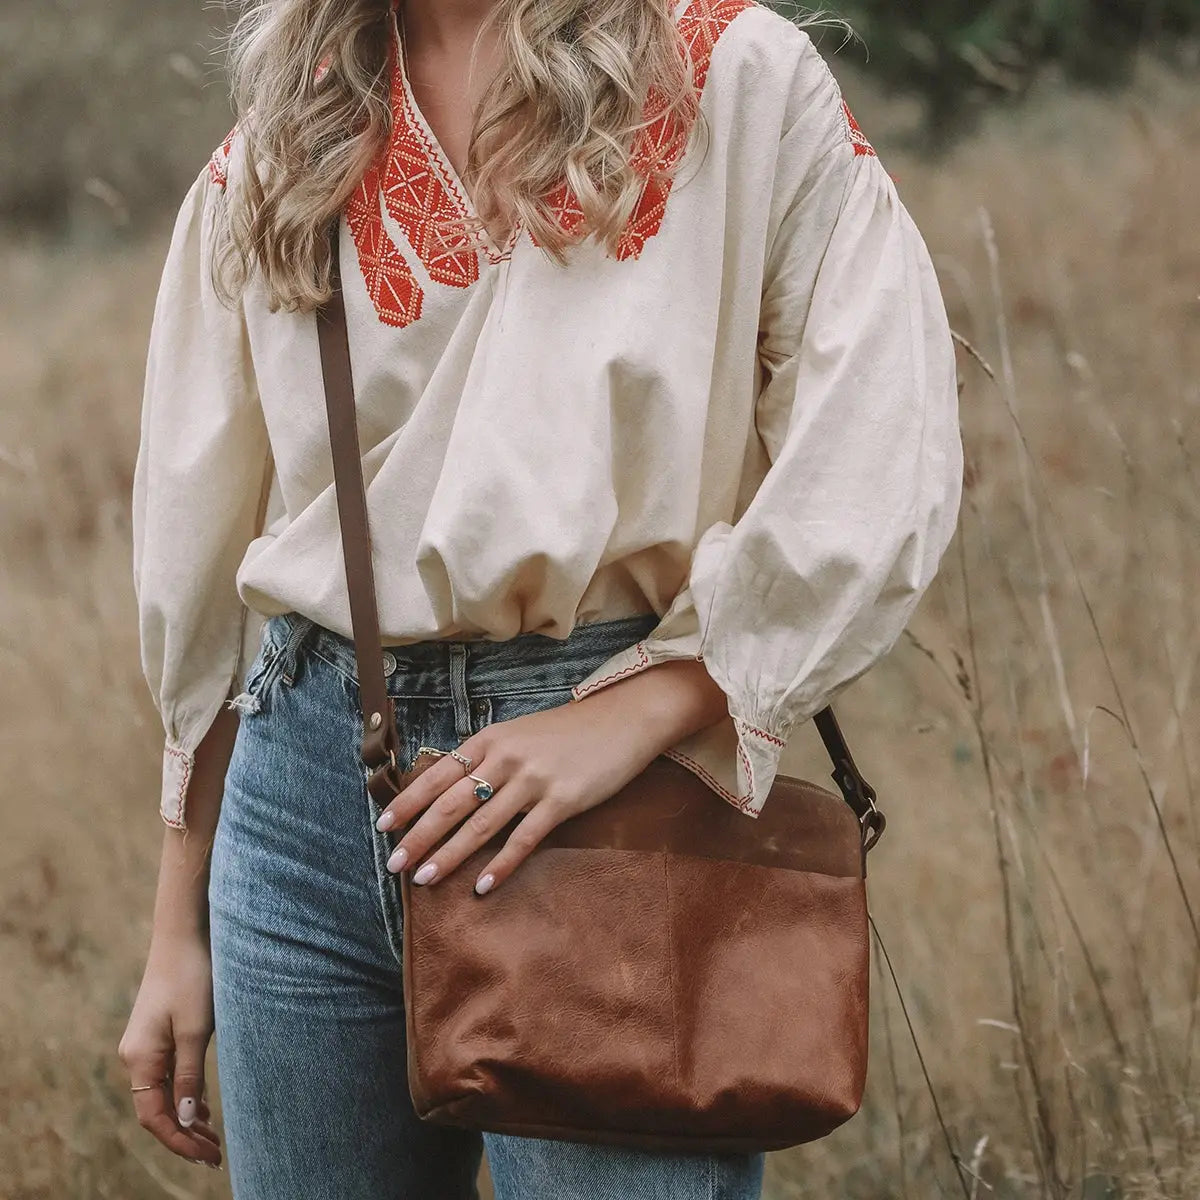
426,873
386,821
187,1111
485,883
398,859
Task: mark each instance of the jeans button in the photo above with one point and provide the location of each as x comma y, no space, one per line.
389,663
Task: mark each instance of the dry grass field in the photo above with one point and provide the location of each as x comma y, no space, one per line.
1035,738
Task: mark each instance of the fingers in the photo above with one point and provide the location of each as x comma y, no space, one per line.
455,805
191,1112
521,843
432,782
477,830
155,1109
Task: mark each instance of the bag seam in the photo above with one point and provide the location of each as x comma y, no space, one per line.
671,976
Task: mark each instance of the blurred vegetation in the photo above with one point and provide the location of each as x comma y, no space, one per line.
111,107
958,56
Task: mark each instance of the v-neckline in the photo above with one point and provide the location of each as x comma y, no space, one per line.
436,152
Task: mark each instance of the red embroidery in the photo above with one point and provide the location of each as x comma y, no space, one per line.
858,139
176,820
741,803
218,164
420,194
762,733
391,285
643,662
663,140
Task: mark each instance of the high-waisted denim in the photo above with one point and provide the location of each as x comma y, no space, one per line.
306,936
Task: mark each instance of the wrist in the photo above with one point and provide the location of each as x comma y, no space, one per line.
181,900
672,700
169,938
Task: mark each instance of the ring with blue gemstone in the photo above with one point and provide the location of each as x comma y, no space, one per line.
482,789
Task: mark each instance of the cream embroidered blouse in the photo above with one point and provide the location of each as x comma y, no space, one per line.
745,421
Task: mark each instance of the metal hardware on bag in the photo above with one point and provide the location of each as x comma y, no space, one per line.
384,766
860,795
376,721
873,823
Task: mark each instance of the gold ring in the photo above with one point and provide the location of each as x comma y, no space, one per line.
454,754
149,1087
482,789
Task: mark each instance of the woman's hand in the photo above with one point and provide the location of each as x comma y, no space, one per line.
165,1042
172,1019
550,765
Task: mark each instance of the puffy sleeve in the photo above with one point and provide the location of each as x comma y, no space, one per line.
201,468
817,578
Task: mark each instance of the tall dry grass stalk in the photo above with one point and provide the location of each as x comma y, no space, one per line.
1033,737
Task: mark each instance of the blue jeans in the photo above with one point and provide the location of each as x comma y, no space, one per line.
306,937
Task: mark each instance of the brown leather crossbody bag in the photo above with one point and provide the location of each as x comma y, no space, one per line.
663,971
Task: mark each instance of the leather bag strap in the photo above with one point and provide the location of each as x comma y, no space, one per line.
859,794
379,744
379,740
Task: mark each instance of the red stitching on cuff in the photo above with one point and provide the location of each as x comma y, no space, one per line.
762,733
741,803
177,822
644,661
744,803
749,769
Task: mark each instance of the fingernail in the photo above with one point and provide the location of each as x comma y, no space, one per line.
426,873
398,859
485,883
187,1111
386,821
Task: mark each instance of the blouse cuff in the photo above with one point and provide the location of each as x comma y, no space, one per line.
737,757
177,769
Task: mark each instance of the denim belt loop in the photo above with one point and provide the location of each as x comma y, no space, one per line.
299,628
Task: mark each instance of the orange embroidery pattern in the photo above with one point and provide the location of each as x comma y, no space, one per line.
393,289
218,165
412,184
417,194
664,140
858,139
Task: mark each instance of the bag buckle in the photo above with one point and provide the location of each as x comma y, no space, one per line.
873,824
858,793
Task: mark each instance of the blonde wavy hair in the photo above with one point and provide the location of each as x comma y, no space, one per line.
578,80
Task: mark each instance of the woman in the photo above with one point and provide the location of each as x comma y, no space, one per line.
657,400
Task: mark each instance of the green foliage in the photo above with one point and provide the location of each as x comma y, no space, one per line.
959,55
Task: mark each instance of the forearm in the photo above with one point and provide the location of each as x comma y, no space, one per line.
181,901
669,701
